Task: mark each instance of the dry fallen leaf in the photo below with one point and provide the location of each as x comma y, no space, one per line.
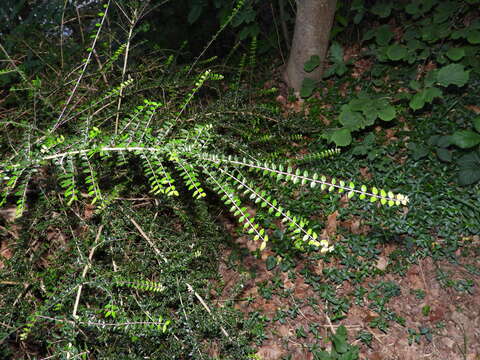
270,352
381,263
5,253
331,227
474,108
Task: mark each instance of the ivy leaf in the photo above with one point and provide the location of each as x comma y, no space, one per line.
308,85
397,52
342,137
455,54
466,139
453,74
312,63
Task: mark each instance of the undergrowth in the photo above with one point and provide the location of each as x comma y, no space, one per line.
123,187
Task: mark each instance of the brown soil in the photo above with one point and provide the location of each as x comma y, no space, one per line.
454,317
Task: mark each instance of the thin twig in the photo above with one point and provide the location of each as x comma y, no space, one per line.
145,236
85,269
190,288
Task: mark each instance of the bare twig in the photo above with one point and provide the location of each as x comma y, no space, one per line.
190,288
145,236
85,269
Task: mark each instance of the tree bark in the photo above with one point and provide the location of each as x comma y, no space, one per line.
313,23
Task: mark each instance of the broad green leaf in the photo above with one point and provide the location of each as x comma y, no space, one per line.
476,123
469,169
387,113
382,9
308,85
339,340
312,63
418,151
351,119
271,262
336,52
195,12
444,141
444,155
425,96
468,176
444,11
473,37
412,8
466,139
397,52
383,35
414,84
430,93
453,74
455,54
417,101
342,137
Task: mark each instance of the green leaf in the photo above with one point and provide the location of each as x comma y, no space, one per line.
465,139
453,74
342,137
444,155
336,52
387,113
476,123
468,176
312,63
383,35
382,9
351,119
444,141
195,13
271,262
473,37
417,101
469,169
397,52
308,85
425,96
455,54
339,341
430,93
418,151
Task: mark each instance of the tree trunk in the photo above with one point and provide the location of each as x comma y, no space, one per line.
312,31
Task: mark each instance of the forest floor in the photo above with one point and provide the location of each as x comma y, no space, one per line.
442,322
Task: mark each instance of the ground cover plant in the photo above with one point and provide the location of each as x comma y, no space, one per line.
161,205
